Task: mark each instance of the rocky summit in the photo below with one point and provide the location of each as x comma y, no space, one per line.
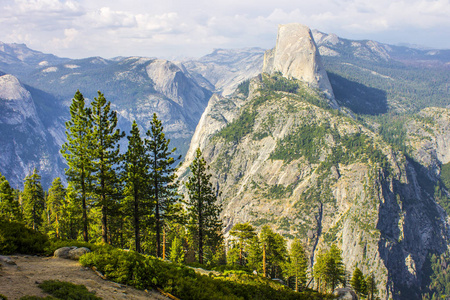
283,156
296,56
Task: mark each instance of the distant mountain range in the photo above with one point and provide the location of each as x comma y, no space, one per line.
360,72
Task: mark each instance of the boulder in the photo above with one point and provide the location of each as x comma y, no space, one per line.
76,253
345,294
7,260
63,252
71,252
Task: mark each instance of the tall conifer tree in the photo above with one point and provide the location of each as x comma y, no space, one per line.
105,154
9,206
136,181
78,153
297,265
203,209
33,201
55,205
162,177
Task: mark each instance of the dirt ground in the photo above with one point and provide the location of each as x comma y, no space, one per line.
23,278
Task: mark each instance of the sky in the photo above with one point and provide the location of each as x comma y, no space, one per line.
185,28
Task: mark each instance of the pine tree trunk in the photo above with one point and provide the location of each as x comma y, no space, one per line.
83,204
200,225
137,238
104,222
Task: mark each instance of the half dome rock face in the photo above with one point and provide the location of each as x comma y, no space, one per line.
15,101
296,56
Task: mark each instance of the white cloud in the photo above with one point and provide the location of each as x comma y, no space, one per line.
80,28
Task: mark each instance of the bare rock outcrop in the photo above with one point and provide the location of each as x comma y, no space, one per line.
296,56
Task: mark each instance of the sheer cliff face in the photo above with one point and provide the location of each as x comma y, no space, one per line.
290,161
24,143
296,56
315,174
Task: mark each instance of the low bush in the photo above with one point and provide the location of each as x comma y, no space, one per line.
67,290
131,268
16,238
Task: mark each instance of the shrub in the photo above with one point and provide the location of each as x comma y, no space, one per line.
131,268
16,238
67,290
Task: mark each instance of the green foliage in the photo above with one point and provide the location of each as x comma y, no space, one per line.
437,271
2,297
135,175
105,157
276,251
67,290
161,184
9,206
77,152
55,207
445,175
16,238
243,87
297,264
305,141
279,83
142,272
358,282
329,269
239,128
33,202
400,88
243,232
202,205
177,251
392,129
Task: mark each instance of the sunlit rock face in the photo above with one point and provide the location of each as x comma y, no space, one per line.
296,56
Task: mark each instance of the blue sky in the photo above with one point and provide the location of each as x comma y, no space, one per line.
183,28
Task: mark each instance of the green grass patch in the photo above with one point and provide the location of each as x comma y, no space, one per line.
67,290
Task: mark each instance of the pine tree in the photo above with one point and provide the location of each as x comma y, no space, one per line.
334,269
177,251
297,264
243,232
136,181
203,209
371,287
358,282
319,270
77,152
276,251
33,201
9,206
105,157
55,205
254,255
162,187
72,217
